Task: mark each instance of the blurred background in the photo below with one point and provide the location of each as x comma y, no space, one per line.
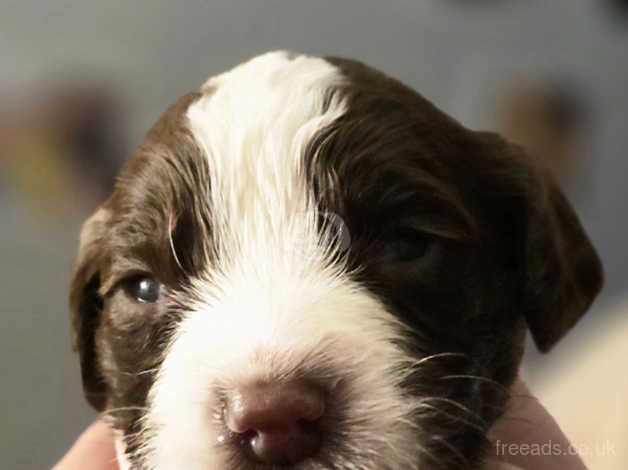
80,82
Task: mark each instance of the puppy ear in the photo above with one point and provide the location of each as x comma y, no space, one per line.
564,273
561,272
86,305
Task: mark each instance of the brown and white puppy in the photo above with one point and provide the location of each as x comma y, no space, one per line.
307,265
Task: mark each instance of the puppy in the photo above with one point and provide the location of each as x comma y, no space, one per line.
306,265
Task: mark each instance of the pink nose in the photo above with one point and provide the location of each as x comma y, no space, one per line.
277,422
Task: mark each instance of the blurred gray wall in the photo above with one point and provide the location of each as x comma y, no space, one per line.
154,51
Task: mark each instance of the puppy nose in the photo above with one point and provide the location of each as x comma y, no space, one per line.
277,423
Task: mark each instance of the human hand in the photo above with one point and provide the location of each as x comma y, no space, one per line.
93,450
527,436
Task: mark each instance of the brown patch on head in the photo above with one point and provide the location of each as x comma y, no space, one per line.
464,185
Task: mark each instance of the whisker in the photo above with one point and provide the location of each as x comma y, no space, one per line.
172,248
479,378
456,452
122,409
148,371
142,372
453,417
425,359
455,404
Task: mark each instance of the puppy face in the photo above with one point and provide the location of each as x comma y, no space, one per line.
311,221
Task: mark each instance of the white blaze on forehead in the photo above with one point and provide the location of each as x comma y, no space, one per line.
272,298
254,124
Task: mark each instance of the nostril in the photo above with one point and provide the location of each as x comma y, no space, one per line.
249,435
264,407
277,423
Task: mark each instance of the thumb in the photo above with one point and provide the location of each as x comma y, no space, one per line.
93,450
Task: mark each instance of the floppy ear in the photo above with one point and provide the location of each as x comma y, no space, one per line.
86,305
561,272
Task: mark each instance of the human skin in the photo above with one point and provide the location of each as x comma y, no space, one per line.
93,450
527,422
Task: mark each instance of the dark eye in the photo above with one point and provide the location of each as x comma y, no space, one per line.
143,289
408,248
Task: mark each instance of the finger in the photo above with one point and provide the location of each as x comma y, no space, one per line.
93,450
527,436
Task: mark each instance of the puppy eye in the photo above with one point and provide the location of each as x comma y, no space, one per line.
143,289
408,248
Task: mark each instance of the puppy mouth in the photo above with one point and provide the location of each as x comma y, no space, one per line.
240,450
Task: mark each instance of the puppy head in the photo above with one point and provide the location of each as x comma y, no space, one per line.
311,224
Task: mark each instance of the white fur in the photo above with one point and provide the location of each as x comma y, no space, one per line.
120,447
274,296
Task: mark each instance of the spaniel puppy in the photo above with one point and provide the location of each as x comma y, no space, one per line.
307,266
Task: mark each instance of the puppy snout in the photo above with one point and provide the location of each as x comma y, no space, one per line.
276,423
